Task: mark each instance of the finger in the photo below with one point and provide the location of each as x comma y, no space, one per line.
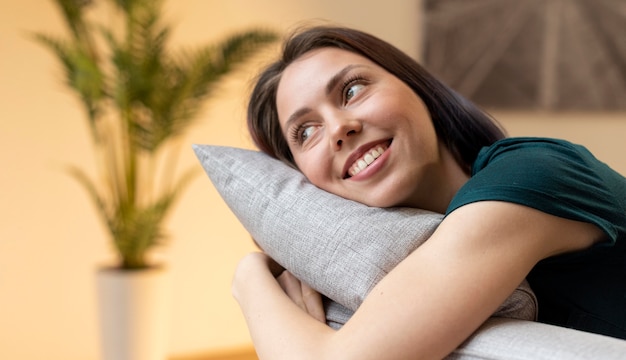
313,302
291,286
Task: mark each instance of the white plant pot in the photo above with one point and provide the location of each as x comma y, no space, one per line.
134,313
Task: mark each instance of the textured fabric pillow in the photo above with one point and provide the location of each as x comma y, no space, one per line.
340,247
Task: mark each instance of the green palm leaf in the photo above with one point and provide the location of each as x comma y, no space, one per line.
139,96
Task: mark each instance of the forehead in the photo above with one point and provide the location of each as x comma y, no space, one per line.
309,75
323,61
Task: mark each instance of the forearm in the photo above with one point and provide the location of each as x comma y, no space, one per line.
387,328
426,306
278,327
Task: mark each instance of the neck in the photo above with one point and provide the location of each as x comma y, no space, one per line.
443,182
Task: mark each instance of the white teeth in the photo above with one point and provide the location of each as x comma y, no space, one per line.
366,160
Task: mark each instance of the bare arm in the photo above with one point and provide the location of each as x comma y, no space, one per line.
430,303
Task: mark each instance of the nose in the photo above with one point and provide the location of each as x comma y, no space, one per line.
342,130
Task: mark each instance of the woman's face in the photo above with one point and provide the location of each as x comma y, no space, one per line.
357,131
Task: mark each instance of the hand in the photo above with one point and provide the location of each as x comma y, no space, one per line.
257,268
250,268
302,295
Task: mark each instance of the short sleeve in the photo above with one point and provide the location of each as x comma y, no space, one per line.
550,175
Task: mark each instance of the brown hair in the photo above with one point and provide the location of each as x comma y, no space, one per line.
460,124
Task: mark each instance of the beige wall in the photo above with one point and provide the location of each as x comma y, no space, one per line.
50,241
602,133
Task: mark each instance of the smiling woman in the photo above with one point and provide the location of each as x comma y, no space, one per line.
346,93
362,120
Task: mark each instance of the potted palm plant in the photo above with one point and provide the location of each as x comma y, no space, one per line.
138,97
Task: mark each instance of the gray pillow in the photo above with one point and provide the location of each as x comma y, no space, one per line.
340,247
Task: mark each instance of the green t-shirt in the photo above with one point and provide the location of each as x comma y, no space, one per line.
585,290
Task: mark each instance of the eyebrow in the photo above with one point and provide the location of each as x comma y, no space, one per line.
332,83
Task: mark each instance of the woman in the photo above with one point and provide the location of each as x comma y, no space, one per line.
362,120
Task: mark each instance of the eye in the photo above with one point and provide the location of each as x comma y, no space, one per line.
306,132
351,87
300,134
352,90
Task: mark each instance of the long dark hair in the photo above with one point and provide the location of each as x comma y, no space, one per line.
461,125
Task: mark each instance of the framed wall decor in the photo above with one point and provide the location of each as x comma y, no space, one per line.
530,54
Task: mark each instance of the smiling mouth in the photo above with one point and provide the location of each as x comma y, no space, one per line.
367,159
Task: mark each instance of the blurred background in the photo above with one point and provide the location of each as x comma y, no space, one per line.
51,242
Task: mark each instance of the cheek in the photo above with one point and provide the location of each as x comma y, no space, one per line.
386,110
314,169
312,173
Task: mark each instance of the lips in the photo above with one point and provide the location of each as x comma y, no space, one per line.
364,156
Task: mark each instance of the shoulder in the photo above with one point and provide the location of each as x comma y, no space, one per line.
541,150
551,175
529,168
535,165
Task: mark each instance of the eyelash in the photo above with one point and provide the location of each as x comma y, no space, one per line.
352,80
294,134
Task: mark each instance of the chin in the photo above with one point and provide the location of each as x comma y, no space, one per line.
381,203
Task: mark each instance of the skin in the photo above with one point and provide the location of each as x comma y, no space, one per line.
481,251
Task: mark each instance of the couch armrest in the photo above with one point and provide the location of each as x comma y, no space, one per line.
511,339
501,338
